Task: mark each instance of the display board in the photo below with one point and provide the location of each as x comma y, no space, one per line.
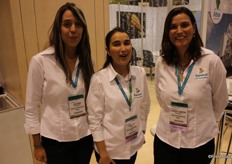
219,29
145,22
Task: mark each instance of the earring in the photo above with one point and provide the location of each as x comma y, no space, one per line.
194,35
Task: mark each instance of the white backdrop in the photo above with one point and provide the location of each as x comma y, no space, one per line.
155,17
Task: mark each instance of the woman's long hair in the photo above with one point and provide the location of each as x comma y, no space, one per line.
168,50
83,48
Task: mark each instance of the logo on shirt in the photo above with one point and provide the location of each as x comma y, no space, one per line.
137,93
201,74
201,70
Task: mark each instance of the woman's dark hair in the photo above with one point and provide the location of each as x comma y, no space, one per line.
83,48
107,43
168,50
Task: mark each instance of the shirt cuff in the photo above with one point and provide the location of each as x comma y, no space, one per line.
31,130
98,136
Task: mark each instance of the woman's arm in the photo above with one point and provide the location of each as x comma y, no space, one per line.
39,151
104,157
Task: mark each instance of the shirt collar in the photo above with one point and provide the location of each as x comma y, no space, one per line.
205,51
113,73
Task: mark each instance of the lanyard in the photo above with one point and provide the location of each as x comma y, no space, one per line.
181,87
74,84
129,101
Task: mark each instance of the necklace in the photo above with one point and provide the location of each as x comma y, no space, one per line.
183,67
182,70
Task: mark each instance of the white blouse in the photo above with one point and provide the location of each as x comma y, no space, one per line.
47,88
108,110
205,93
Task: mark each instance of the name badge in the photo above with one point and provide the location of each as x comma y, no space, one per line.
178,116
76,106
131,128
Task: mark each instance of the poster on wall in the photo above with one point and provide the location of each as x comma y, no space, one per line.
151,3
219,29
153,23
180,2
131,22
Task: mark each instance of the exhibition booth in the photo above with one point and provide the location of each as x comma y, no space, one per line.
24,33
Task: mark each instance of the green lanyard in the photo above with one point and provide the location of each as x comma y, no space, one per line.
181,87
129,101
74,84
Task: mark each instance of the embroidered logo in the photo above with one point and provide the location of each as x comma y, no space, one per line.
137,90
202,74
201,70
137,93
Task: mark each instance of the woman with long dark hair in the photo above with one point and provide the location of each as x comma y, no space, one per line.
190,83
118,103
58,83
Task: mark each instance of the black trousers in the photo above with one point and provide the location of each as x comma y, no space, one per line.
74,152
166,154
126,161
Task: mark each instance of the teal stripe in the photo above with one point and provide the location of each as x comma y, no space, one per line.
75,97
131,118
179,104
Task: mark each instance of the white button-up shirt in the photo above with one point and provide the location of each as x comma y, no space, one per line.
108,109
205,93
46,85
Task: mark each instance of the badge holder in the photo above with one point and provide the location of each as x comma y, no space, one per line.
131,128
178,116
76,106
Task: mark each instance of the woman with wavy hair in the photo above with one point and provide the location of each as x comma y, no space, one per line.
190,83
58,83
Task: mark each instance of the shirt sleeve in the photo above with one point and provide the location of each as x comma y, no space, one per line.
95,105
219,88
35,80
145,106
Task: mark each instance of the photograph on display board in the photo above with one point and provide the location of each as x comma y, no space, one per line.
180,2
219,31
131,22
159,3
151,3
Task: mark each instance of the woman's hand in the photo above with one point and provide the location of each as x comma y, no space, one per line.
104,157
40,154
106,160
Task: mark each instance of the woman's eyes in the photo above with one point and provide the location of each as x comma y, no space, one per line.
126,43
67,24
78,24
172,27
70,23
182,25
116,44
185,24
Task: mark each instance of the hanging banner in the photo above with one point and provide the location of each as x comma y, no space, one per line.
131,22
219,29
